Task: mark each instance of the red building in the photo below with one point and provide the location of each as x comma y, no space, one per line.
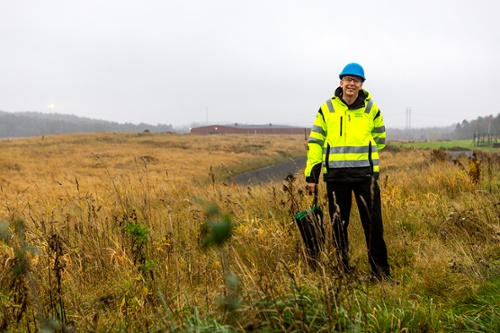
250,129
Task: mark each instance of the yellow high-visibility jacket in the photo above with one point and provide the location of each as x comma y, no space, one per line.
345,140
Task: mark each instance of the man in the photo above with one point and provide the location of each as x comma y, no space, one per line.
347,134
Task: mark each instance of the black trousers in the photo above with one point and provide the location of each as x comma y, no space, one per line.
367,194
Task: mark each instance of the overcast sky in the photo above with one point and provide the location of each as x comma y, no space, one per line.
248,61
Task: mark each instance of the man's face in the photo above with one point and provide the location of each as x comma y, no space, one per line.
350,86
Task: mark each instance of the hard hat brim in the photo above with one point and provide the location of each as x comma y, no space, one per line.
347,74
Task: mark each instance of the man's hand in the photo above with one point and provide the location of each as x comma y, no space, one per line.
311,187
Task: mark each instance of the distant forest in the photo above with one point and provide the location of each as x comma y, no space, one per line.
27,124
462,131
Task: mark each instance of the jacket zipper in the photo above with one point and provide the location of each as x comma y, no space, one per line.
327,158
370,160
341,121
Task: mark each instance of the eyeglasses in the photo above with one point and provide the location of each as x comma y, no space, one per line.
348,79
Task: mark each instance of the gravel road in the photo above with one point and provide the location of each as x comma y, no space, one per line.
269,173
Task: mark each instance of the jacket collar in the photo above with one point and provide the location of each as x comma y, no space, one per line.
358,103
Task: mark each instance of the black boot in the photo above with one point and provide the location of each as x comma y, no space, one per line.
383,277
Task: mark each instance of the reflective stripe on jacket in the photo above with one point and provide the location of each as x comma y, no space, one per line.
346,140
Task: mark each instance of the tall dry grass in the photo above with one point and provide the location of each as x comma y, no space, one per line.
106,232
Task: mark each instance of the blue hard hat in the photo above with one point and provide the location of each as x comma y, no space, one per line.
353,69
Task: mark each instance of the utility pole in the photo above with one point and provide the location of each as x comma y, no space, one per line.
408,118
409,111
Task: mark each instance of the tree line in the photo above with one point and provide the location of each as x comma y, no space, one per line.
481,125
461,131
27,124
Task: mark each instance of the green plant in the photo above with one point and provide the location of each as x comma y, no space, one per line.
138,237
17,285
57,307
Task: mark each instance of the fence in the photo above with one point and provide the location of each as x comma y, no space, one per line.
485,140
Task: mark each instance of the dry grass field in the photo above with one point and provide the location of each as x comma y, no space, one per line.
141,233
